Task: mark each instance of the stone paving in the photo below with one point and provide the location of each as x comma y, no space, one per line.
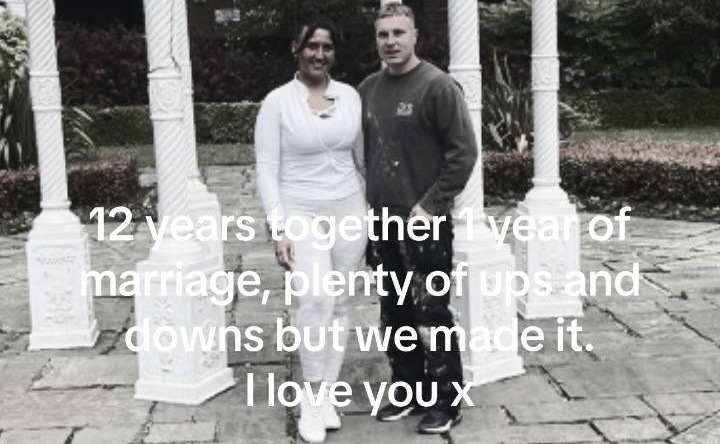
652,377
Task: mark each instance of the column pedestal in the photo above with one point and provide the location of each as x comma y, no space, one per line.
478,249
57,253
202,203
489,311
558,254
558,257
176,374
57,250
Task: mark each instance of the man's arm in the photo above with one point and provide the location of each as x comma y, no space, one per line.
447,111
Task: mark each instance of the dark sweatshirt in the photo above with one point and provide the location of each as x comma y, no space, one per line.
419,142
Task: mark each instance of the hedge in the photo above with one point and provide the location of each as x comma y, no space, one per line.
635,180
234,122
679,107
104,181
214,123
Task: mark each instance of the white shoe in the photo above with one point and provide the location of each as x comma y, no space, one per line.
311,426
330,416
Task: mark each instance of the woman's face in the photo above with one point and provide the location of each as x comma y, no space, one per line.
317,56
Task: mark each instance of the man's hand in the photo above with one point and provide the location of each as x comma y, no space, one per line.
418,211
284,252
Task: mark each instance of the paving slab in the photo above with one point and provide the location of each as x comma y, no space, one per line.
705,323
515,390
549,355
683,422
362,429
106,435
45,436
614,346
685,403
706,431
636,377
268,354
13,343
74,408
679,306
113,313
532,434
183,432
14,308
236,420
18,372
580,410
640,429
79,372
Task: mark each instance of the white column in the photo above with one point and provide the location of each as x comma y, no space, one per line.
173,374
474,243
387,2
57,248
16,7
546,201
202,203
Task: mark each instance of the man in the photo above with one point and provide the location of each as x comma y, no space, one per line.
420,150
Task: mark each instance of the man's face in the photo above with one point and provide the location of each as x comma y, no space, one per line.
395,37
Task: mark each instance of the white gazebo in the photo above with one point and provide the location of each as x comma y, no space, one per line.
57,248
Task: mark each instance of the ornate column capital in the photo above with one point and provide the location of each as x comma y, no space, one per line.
545,72
165,93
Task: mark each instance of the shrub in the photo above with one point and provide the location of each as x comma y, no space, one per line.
214,123
103,181
507,111
121,125
681,107
102,66
18,146
624,44
17,139
636,174
226,122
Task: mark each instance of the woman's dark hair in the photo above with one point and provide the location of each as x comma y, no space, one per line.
305,31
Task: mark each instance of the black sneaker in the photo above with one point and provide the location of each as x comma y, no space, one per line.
438,421
390,412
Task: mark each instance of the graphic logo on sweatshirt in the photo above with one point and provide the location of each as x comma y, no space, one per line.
404,109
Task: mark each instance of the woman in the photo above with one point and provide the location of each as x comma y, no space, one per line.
308,146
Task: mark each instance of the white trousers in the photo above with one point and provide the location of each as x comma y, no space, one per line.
317,312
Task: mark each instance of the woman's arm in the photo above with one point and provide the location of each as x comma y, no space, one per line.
267,159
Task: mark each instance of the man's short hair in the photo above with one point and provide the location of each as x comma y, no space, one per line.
395,10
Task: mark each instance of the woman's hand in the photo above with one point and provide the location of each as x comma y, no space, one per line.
284,252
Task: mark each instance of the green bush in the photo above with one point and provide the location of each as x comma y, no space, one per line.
507,111
17,138
219,123
630,179
626,44
121,125
225,122
103,181
682,107
214,123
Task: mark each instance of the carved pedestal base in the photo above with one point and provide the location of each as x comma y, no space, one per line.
201,203
179,374
491,310
557,256
61,311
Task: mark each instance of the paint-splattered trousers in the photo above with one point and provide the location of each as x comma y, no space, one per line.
419,310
